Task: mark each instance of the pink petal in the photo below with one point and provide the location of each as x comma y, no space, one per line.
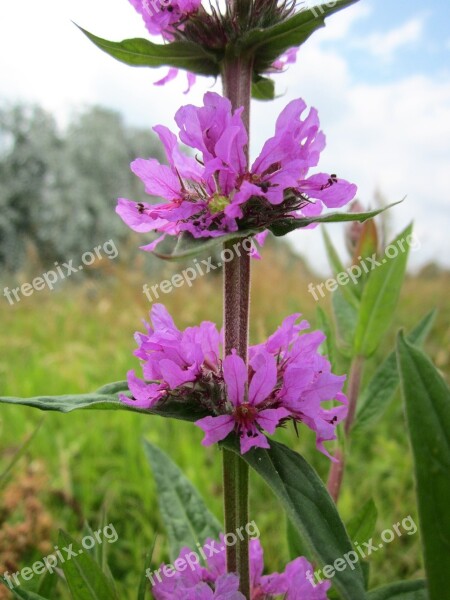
264,378
215,428
235,374
172,73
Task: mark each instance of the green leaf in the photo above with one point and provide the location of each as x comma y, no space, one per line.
345,318
328,346
171,408
143,583
25,594
267,44
348,290
427,401
379,392
263,88
140,52
296,544
17,456
187,246
185,514
47,585
403,590
380,297
308,506
84,577
361,526
284,226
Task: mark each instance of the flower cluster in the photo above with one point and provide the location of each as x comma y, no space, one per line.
164,17
212,582
287,379
218,192
212,27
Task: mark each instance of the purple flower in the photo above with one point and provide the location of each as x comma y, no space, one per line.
211,581
218,193
248,417
173,360
165,17
287,379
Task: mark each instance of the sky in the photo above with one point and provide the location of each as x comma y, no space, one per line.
378,73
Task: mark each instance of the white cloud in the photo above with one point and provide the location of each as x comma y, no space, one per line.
384,45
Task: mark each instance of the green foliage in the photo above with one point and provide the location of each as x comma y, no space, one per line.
380,297
143,53
109,400
427,400
187,246
263,88
378,393
84,577
185,514
309,507
269,43
362,525
404,590
7,471
283,227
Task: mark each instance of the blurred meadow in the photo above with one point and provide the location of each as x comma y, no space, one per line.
80,336
57,197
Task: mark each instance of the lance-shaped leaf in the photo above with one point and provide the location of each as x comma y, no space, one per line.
348,289
362,525
187,246
309,508
84,577
402,590
186,517
427,401
380,296
170,408
380,390
267,44
284,226
139,52
345,318
21,594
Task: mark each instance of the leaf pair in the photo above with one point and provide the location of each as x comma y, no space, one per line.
264,44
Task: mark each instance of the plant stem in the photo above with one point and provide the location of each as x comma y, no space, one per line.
237,74
338,468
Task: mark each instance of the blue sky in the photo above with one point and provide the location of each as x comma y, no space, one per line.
420,40
379,75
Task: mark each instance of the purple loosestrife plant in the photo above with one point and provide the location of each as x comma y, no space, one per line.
212,582
286,380
236,394
219,192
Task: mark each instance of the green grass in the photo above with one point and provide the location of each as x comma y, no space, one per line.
78,338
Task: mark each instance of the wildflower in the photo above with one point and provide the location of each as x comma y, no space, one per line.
287,379
219,193
164,17
211,582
